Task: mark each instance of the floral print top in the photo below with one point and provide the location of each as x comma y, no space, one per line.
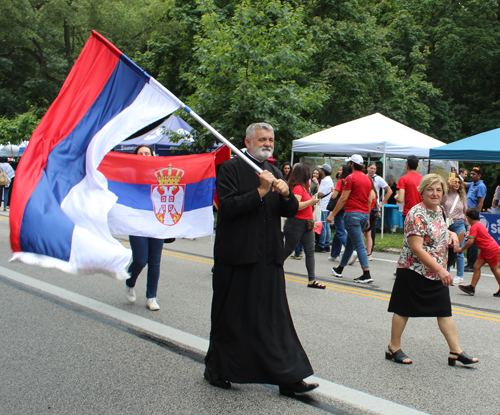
429,225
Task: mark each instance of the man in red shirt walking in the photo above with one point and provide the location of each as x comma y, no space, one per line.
356,197
407,191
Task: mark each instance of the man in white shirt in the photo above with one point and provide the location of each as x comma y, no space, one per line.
325,189
379,184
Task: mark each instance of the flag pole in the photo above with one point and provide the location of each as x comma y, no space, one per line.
194,115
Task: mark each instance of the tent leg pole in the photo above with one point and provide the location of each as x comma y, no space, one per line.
382,217
291,162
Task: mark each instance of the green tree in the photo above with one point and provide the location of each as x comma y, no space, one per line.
42,39
250,69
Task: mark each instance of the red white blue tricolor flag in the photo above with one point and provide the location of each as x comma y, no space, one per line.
62,199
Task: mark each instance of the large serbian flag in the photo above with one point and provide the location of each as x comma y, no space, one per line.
60,205
161,197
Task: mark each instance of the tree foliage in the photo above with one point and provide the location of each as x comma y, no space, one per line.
302,66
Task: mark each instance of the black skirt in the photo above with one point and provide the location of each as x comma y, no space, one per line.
413,295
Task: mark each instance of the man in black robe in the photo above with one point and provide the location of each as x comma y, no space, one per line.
253,339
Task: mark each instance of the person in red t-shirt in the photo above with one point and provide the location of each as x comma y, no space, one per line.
407,186
300,228
488,254
357,197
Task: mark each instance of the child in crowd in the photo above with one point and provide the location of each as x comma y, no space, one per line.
489,251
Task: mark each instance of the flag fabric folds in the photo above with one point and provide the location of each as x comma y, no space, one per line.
61,201
161,197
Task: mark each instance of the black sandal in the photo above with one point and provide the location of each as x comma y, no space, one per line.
398,356
316,284
462,358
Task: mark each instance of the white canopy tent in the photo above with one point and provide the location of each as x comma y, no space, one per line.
9,150
373,135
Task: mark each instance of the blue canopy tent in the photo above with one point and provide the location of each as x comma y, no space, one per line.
158,138
479,147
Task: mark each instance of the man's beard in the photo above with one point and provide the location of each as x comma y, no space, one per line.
262,153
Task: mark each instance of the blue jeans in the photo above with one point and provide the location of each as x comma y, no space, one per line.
457,227
354,223
326,231
298,249
340,237
145,251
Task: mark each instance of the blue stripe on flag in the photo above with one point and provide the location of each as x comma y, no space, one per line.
138,196
66,167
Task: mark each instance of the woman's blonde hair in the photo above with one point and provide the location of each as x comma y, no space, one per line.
461,190
428,180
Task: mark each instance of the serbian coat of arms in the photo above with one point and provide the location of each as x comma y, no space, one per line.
168,195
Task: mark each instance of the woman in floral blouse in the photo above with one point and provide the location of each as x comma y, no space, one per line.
422,281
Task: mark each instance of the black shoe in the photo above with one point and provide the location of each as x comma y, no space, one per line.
462,358
469,269
363,280
497,294
468,289
215,380
297,387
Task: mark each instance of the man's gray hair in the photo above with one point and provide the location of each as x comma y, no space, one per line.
257,126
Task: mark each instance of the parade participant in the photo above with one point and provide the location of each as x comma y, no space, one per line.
488,254
7,190
300,228
325,193
422,280
357,197
407,186
286,170
315,181
252,339
145,251
455,206
340,236
380,184
475,198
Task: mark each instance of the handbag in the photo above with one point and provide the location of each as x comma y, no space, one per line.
4,180
317,212
333,202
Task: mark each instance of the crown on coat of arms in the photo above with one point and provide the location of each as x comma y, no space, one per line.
169,176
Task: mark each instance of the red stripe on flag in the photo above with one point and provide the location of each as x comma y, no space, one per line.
221,155
131,168
83,85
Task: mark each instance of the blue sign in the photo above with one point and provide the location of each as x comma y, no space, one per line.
492,223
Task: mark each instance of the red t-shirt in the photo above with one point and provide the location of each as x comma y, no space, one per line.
409,183
360,186
307,213
483,239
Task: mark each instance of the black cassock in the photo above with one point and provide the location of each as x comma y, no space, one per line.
252,339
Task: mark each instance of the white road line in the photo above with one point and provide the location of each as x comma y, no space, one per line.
329,389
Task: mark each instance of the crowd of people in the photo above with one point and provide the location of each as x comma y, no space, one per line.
252,338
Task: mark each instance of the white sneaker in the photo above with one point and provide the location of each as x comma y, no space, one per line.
370,258
333,259
130,292
353,258
458,280
152,304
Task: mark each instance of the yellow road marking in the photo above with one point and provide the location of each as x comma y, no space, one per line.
338,287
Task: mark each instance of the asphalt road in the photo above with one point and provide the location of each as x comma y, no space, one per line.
74,345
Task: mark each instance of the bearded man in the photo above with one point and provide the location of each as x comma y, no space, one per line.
253,339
